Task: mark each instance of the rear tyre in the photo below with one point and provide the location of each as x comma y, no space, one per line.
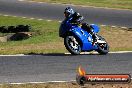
72,44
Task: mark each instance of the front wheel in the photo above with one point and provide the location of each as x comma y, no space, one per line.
72,44
103,48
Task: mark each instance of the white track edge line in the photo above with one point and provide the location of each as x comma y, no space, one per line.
21,0
14,55
38,82
69,53
122,52
41,82
109,52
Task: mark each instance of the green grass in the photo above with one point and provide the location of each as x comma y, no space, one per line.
46,39
46,33
43,29
120,4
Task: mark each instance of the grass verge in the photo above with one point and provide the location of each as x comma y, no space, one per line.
46,39
120,4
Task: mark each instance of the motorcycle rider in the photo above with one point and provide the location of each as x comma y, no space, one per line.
74,18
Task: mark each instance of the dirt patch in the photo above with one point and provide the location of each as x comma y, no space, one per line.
3,39
50,47
117,38
75,85
16,36
67,85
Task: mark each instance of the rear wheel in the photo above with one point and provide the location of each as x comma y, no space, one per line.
103,48
72,44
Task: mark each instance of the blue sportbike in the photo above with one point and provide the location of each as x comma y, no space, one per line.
77,40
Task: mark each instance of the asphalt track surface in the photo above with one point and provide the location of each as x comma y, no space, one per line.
60,67
55,11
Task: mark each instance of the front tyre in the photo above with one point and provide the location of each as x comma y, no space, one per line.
72,44
103,48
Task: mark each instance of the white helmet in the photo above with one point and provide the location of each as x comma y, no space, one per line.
69,11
